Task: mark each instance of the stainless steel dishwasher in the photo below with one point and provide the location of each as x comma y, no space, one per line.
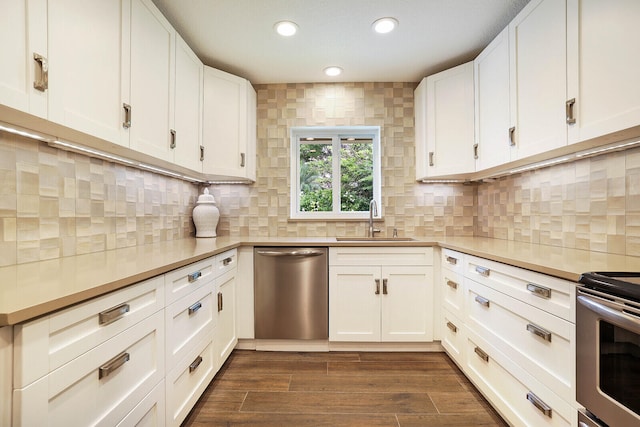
291,293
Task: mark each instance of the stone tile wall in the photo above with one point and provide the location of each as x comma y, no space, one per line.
55,203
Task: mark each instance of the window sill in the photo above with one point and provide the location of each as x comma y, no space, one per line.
334,219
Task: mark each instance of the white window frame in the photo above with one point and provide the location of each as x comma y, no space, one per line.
335,133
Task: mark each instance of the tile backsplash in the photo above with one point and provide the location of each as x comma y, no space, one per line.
55,203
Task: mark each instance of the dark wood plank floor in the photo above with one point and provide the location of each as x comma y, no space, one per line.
341,389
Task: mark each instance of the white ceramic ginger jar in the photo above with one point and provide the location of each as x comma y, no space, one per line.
206,215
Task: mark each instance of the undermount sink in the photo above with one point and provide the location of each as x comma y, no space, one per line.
375,239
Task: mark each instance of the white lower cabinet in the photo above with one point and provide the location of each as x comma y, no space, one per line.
149,412
6,365
453,336
226,335
99,387
375,295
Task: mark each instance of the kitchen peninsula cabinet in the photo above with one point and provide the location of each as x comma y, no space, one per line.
6,366
229,126
381,294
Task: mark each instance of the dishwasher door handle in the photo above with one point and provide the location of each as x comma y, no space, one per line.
294,253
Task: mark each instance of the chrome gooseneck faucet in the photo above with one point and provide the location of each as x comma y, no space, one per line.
373,211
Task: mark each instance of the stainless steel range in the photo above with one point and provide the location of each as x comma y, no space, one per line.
608,349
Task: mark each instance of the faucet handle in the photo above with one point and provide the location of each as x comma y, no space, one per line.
395,232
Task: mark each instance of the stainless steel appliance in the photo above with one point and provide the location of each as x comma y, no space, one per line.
608,349
291,288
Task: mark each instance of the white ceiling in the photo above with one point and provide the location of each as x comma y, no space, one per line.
237,36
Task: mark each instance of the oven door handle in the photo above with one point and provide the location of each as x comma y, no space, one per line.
624,320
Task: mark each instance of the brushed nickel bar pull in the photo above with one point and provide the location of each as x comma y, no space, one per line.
431,154
195,307
512,136
451,260
475,151
194,365
571,120
384,287
172,145
202,153
484,356
453,327
113,364
127,116
242,158
541,332
220,302
451,284
194,276
482,301
42,83
377,286
538,290
227,261
483,271
113,314
539,404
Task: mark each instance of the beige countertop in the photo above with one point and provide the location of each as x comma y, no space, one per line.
34,289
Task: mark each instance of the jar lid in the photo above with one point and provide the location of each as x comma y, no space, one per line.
206,197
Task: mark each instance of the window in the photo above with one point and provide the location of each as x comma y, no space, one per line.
335,171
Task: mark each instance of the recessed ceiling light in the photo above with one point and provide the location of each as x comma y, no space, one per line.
286,28
385,25
333,71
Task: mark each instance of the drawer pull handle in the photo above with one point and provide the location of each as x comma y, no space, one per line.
227,261
539,404
194,276
220,302
482,301
113,314
194,365
451,260
541,332
539,291
377,292
195,307
113,364
484,356
385,291
451,284
453,327
483,271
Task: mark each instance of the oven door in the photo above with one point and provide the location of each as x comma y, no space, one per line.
608,359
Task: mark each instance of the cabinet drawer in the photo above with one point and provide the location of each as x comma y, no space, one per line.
452,260
451,287
100,387
148,413
453,336
226,261
188,321
393,256
550,294
511,390
185,280
188,380
537,341
44,344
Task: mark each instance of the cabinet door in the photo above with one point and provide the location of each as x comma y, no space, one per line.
407,295
152,80
224,126
250,164
420,129
539,77
492,116
450,121
23,29
86,55
226,337
188,107
354,303
6,365
603,71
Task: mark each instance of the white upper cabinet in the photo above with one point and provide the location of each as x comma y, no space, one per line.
188,107
229,125
88,66
603,42
24,23
152,81
449,128
538,77
492,112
